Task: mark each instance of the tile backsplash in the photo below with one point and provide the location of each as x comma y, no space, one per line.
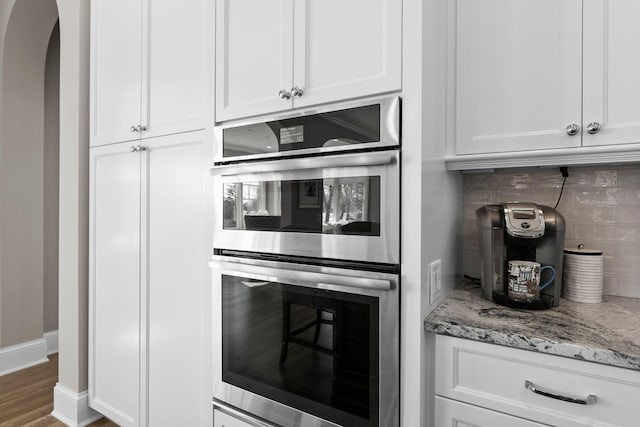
601,206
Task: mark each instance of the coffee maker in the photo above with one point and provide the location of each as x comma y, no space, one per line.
519,231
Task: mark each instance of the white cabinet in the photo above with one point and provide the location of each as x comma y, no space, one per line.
150,241
288,54
150,68
453,413
528,72
611,72
503,379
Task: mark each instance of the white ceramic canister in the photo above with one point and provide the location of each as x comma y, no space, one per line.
582,274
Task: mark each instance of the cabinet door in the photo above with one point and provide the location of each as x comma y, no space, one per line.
254,51
178,247
453,413
179,41
518,72
114,284
116,47
346,49
612,71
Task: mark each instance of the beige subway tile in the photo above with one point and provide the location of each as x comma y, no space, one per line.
619,233
630,177
595,214
607,196
610,286
541,196
629,214
471,263
592,178
469,210
479,197
628,288
470,235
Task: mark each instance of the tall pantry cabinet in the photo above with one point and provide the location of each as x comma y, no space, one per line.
150,211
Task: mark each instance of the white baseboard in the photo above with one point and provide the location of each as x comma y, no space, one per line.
72,408
52,341
20,356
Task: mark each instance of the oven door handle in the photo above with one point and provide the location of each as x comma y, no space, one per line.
302,278
374,158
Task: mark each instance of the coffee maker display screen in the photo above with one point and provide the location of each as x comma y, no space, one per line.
523,214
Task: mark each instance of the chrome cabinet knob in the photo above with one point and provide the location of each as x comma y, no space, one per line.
133,128
296,91
283,94
141,128
134,149
572,129
593,128
142,148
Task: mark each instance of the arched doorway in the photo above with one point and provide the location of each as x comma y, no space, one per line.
29,138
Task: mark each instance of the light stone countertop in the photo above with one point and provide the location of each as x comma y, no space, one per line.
607,333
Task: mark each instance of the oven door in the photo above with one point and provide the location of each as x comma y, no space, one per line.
342,207
304,345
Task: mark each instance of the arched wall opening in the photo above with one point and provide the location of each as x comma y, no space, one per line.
29,138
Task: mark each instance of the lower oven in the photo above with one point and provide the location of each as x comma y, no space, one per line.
306,344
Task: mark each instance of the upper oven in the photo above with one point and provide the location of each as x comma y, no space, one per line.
342,207
324,185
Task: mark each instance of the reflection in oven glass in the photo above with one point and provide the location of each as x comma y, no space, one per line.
311,349
348,205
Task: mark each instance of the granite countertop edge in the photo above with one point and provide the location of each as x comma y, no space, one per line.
575,351
464,325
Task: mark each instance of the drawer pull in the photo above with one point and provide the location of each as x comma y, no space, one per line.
590,400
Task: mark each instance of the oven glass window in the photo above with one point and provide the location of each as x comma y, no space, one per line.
328,206
314,350
352,126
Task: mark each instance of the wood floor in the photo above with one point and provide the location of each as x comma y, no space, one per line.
26,397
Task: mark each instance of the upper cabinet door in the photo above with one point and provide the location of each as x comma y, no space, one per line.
116,47
346,49
518,69
178,45
254,57
611,72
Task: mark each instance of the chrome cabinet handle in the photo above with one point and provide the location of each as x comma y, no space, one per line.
283,94
134,149
137,148
142,148
572,129
590,400
296,91
593,128
141,128
133,128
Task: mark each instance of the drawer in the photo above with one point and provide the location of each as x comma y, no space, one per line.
452,413
494,377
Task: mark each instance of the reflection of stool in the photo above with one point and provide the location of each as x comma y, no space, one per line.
305,297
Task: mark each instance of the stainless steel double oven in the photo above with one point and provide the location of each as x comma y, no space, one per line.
306,266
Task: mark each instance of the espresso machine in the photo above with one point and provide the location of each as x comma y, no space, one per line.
519,231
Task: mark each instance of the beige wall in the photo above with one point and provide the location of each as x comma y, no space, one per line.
51,159
24,46
601,206
74,193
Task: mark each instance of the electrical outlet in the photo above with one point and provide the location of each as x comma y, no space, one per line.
435,280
